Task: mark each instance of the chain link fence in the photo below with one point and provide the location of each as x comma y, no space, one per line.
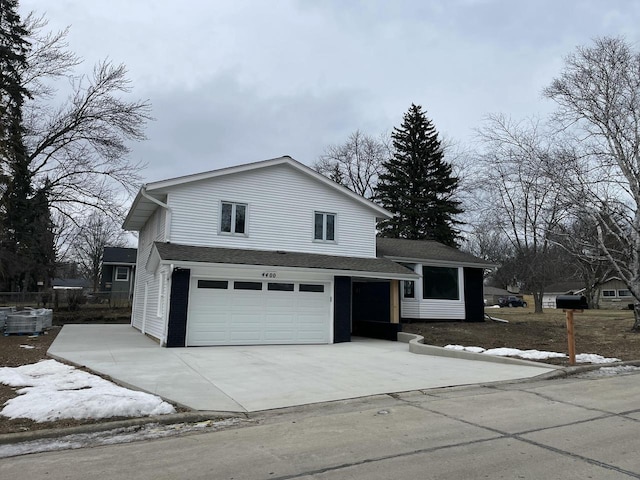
69,299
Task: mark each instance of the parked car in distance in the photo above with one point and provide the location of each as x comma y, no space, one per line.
511,301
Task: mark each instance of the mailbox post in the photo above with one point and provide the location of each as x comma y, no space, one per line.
571,304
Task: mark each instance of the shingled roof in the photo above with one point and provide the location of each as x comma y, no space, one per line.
187,253
425,250
119,255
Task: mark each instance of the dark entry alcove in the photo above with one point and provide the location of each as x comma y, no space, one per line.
371,310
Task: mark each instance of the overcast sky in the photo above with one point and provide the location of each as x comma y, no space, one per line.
240,81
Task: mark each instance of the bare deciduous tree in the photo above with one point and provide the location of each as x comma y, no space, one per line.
579,238
356,163
598,99
79,149
92,235
523,205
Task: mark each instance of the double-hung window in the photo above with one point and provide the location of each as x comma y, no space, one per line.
122,274
324,227
233,218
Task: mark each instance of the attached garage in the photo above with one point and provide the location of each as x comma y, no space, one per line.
250,312
215,296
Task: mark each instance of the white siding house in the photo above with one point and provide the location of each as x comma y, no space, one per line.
270,252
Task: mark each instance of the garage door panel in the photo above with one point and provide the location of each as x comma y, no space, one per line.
268,316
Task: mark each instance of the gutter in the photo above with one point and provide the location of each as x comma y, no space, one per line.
167,222
143,192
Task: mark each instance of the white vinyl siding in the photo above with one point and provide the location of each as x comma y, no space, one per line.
153,325
282,203
431,309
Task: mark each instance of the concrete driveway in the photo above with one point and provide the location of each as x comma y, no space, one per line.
254,378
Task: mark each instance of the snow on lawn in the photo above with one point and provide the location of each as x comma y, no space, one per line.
115,436
533,354
52,390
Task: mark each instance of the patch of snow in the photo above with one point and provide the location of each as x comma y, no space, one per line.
594,358
29,347
110,437
466,349
52,390
533,354
526,354
474,349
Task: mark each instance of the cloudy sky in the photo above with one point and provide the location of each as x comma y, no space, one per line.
245,80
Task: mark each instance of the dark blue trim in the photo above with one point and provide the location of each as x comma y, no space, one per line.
341,309
178,308
473,295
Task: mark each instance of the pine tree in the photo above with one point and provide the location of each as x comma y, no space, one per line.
418,185
13,60
26,239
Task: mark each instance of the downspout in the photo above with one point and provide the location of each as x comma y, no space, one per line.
143,192
167,222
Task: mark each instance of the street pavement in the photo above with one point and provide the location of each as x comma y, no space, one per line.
546,429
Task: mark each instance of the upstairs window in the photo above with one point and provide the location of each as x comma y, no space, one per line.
233,218
324,227
624,293
608,293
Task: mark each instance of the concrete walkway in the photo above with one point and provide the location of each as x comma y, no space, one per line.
254,378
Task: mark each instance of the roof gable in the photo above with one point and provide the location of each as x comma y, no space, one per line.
153,194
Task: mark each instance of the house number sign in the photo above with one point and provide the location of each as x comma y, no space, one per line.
268,274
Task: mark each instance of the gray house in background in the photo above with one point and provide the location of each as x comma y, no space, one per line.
492,295
118,273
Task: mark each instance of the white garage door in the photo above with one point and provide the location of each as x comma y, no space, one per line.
239,312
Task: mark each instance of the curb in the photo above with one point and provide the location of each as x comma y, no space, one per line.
417,345
193,417
188,417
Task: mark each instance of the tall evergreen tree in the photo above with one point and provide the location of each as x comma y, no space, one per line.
418,185
13,60
26,240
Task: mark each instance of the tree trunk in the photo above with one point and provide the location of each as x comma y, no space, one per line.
537,301
636,322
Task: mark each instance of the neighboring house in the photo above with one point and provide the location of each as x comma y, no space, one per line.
71,290
273,253
78,284
563,288
118,273
614,294
492,295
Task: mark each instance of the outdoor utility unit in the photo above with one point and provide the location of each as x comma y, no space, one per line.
571,302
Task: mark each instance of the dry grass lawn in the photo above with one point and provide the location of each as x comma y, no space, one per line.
604,332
